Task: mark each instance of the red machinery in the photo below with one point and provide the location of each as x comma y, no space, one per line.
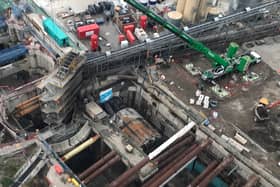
273,104
130,27
130,36
87,30
143,21
121,38
94,42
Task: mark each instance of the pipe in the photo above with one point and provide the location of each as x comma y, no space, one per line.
202,175
173,161
170,158
100,170
216,171
27,110
252,181
28,101
22,107
80,148
174,148
97,165
179,163
171,140
130,172
169,165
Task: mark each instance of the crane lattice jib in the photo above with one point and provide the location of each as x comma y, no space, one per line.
192,43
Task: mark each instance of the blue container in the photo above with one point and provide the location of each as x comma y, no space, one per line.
10,55
3,24
17,12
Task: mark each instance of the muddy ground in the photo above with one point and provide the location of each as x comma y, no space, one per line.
235,113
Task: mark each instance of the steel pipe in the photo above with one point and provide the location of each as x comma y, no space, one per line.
27,110
169,166
80,148
170,158
22,107
97,165
180,163
252,181
130,172
202,175
100,170
216,171
35,98
174,148
171,140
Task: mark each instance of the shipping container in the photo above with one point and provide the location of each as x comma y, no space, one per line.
130,37
3,24
55,32
94,42
10,55
143,21
87,30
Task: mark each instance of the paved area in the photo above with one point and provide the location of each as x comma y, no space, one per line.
268,51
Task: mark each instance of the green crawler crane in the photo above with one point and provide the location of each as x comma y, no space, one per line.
221,66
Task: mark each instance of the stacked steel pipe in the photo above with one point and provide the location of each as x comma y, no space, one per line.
128,175
27,106
216,171
100,170
200,177
178,164
97,165
169,166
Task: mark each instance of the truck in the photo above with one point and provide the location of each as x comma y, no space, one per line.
220,65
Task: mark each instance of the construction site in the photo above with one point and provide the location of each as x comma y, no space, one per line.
140,93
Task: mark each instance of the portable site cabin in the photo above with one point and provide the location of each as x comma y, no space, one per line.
55,32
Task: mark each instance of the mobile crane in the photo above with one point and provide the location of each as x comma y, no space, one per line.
221,66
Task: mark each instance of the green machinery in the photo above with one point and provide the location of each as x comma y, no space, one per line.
221,66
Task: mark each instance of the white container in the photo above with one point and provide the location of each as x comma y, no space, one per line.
199,100
124,44
140,34
144,2
206,102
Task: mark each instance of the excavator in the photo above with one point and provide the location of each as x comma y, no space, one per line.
220,65
262,109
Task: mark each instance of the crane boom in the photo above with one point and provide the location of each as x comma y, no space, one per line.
216,59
